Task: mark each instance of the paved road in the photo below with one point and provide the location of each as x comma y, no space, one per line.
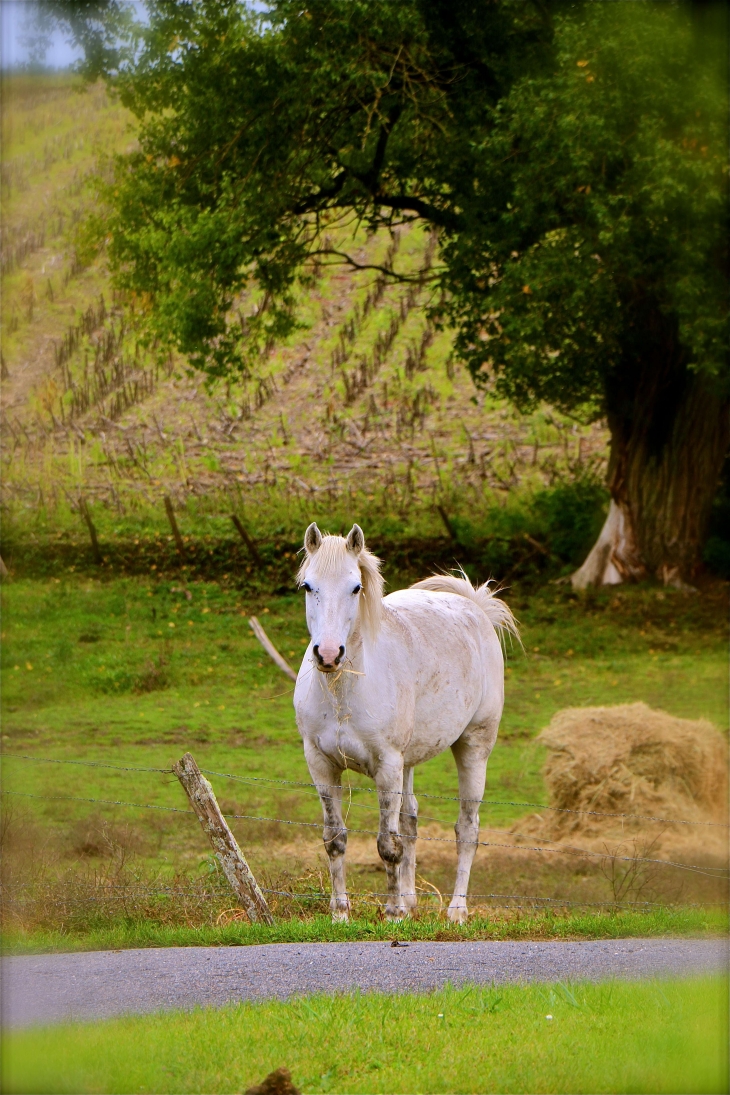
52,987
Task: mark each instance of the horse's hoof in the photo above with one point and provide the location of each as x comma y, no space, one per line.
457,915
396,916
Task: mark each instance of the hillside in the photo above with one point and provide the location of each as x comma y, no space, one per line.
363,413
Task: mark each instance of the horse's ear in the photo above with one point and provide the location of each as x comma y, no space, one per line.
355,540
312,539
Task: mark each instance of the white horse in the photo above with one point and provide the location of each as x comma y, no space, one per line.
387,683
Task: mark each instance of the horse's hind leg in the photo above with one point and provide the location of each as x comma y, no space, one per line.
471,763
409,832
327,780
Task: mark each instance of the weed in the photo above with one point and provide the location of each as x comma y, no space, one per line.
154,676
630,880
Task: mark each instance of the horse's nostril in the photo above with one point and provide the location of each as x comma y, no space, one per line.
328,659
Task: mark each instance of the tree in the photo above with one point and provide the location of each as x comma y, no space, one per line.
604,254
571,159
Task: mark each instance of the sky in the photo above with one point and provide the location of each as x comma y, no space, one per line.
14,15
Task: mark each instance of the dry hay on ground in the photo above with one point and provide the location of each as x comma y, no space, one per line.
632,760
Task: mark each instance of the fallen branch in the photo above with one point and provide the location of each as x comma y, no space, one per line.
270,649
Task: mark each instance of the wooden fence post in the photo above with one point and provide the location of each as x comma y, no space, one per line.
252,549
447,523
230,856
173,525
84,511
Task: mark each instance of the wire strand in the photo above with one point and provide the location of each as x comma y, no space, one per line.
317,895
373,790
560,849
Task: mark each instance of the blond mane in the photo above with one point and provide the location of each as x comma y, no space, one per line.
330,555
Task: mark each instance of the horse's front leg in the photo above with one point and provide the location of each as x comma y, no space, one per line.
327,779
471,764
409,832
389,784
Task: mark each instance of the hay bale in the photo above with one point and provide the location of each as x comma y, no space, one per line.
631,759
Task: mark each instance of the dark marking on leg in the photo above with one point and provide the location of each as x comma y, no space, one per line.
335,841
390,848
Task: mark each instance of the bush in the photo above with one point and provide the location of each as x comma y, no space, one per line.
570,516
552,528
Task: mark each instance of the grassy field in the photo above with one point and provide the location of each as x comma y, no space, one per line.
133,673
654,1037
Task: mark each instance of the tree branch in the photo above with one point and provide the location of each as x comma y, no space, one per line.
379,157
313,200
428,212
417,278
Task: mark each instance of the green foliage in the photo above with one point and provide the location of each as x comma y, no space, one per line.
571,160
575,169
558,524
261,130
638,1036
572,514
599,217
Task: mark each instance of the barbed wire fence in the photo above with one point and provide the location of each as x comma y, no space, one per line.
304,898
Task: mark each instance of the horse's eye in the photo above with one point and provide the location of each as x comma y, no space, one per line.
356,589
306,587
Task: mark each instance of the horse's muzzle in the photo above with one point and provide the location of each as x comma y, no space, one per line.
326,663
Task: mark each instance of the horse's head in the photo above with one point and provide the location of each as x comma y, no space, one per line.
342,581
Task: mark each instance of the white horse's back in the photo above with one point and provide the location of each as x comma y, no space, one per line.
497,612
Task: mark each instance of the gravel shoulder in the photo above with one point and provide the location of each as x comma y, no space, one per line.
52,988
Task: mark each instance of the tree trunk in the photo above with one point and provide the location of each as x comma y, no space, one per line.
670,430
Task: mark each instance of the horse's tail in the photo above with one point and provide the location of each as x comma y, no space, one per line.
497,611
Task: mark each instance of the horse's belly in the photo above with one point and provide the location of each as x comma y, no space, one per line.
440,721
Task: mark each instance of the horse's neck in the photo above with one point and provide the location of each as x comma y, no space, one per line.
360,645
355,645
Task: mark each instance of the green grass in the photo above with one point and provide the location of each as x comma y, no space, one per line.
87,651
667,1036
608,924
78,656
